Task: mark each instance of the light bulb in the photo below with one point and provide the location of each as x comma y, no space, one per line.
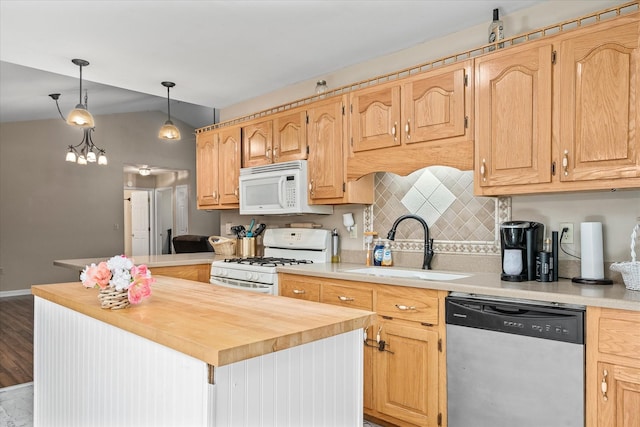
91,157
82,160
71,156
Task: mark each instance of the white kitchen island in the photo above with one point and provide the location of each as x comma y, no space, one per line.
195,355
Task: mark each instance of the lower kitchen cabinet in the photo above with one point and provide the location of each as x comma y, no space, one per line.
613,368
404,359
197,272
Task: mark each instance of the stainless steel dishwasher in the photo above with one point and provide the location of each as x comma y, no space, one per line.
514,363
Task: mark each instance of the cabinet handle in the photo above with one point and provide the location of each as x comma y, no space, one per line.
311,192
565,162
405,307
483,170
393,131
268,153
407,129
603,385
236,192
343,298
299,291
275,153
214,195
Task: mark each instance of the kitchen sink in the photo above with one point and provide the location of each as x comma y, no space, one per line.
406,274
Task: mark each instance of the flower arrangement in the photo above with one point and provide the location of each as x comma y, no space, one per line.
119,275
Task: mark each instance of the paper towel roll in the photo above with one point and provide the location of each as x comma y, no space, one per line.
592,265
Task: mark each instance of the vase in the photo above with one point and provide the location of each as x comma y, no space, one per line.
113,299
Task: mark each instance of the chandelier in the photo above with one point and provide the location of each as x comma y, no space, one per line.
86,151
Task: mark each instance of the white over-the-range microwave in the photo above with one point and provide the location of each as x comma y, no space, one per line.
277,189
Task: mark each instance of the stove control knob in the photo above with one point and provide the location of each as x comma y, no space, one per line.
250,276
215,271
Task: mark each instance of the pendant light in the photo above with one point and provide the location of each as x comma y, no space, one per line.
169,130
80,116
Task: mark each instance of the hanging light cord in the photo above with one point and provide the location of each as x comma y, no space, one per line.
168,104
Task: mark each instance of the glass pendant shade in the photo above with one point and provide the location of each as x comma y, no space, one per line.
102,159
82,160
169,131
71,156
91,157
80,117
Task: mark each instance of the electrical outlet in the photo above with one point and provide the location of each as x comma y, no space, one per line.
567,237
353,234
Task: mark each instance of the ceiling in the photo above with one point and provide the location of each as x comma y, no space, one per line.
217,52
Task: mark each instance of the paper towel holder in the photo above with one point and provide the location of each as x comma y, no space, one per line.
591,252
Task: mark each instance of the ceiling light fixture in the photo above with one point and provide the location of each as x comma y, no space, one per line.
144,171
80,116
86,151
169,130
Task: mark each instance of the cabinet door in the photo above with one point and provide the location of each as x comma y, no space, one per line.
257,144
599,112
406,380
375,117
229,165
206,169
513,116
619,397
434,106
290,137
325,137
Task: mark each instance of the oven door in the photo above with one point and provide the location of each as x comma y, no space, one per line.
262,288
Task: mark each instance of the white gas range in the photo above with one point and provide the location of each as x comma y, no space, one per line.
282,246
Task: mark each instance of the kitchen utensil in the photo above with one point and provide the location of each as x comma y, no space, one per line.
259,229
249,231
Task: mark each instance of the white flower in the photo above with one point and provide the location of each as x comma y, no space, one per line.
120,267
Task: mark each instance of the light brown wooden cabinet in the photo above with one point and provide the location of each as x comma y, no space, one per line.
218,168
195,272
404,379
560,114
613,368
414,122
280,138
326,130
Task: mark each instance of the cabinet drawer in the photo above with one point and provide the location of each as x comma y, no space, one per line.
619,333
419,305
348,297
294,288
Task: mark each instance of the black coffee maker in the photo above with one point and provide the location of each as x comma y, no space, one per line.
520,241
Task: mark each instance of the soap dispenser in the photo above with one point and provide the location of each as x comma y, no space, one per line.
387,259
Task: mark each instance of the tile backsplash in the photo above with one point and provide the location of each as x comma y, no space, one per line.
459,222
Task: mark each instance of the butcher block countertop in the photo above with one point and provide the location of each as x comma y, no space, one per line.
214,324
562,291
150,261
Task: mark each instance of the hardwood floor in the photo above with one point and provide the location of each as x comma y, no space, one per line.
16,340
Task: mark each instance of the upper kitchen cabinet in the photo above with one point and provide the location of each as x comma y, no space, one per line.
599,100
513,116
326,130
281,138
413,122
560,114
218,168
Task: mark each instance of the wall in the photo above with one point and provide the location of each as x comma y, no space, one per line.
51,209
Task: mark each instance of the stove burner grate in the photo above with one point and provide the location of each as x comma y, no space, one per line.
267,261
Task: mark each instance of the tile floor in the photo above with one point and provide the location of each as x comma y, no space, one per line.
16,406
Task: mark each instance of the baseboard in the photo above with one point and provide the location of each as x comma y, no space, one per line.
18,292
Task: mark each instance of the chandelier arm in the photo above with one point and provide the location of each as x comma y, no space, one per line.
91,143
59,111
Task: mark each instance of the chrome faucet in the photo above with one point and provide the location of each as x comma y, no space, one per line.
428,242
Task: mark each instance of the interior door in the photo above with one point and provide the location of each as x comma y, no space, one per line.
164,220
140,232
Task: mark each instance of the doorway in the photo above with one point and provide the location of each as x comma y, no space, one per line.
163,229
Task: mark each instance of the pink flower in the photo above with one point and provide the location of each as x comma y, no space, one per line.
140,287
97,275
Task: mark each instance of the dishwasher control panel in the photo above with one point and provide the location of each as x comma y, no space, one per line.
532,319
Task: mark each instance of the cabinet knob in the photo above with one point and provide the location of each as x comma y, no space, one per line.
299,291
236,192
268,153
275,153
343,298
311,192
405,307
565,162
407,129
393,131
214,195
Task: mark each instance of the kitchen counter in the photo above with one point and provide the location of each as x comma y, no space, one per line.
562,291
211,323
195,355
151,261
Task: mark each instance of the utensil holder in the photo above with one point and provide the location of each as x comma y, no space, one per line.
247,247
